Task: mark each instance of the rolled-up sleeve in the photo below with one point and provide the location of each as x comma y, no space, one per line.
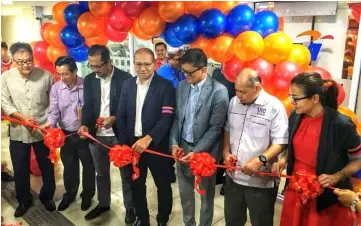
7,104
279,125
350,140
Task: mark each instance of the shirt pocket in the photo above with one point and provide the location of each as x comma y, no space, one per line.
40,97
259,127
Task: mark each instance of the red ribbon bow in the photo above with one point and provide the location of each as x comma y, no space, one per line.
124,155
306,185
202,165
53,138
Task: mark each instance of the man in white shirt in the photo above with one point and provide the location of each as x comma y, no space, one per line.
255,134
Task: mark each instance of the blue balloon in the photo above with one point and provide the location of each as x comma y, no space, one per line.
72,13
185,29
79,54
84,5
239,19
212,23
170,37
265,23
71,38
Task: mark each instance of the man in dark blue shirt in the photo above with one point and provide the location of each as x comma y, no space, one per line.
172,70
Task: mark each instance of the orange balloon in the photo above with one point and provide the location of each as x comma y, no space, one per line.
277,47
226,6
54,53
197,8
221,48
269,88
248,45
101,9
88,25
58,12
288,105
52,35
150,22
202,43
300,55
352,116
97,40
138,32
170,11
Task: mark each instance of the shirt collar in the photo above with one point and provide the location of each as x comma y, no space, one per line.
107,78
262,98
78,84
146,83
200,84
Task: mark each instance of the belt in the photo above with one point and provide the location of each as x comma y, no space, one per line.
190,144
67,132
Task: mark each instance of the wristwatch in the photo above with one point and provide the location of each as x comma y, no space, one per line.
353,204
263,159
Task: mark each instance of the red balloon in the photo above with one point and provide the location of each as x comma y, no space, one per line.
264,69
323,72
40,51
119,21
341,94
114,35
46,65
153,3
133,9
232,68
42,29
283,74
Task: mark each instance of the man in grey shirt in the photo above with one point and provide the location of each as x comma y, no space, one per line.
25,96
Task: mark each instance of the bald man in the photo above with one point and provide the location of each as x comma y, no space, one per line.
255,134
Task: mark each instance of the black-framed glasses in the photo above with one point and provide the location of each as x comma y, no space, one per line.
27,62
296,99
96,66
192,72
145,65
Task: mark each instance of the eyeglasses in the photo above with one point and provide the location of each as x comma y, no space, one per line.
176,59
191,73
295,99
96,66
63,74
27,62
146,65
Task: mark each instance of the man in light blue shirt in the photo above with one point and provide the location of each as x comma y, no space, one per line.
172,69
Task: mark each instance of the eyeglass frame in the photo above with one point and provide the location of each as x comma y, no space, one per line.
146,65
295,100
31,61
96,66
191,73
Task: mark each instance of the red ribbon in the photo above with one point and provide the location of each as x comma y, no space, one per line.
124,155
53,138
202,165
100,122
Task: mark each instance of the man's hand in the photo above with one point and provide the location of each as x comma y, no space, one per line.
83,129
227,157
142,144
346,197
279,166
252,166
175,150
32,121
327,180
45,126
108,122
188,157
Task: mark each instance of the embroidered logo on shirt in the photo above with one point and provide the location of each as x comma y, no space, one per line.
261,111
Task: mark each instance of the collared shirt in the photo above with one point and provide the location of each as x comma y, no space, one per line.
159,63
105,104
29,96
142,90
187,133
167,72
64,105
253,128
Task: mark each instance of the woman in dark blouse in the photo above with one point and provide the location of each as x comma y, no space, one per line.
324,142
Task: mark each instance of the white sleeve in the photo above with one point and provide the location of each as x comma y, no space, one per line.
279,124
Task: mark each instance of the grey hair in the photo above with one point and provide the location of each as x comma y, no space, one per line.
254,79
19,47
175,52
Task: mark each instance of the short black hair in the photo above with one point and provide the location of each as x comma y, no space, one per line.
66,60
101,51
196,57
4,45
159,44
254,79
145,50
21,47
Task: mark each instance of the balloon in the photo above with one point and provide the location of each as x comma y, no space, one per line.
202,43
138,32
88,25
277,47
133,9
39,50
323,72
114,35
341,94
46,65
185,29
287,103
266,22
264,69
101,9
84,5
170,37
170,11
97,40
150,22
232,68
349,113
239,19
212,23
42,29
71,37
72,13
283,74
54,53
119,21
225,6
79,54
58,12
300,55
196,8
221,49
153,3
52,35
248,46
